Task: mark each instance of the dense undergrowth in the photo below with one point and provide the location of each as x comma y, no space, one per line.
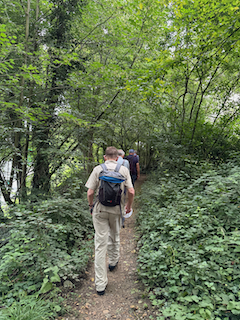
42,245
189,241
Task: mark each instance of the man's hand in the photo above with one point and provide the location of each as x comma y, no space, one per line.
128,209
91,208
138,170
90,195
131,193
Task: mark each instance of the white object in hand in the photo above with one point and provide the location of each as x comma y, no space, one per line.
127,215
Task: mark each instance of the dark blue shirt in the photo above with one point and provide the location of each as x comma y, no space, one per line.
133,160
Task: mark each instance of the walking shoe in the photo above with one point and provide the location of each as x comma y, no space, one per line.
101,293
111,268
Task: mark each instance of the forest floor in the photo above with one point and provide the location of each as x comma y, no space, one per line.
125,297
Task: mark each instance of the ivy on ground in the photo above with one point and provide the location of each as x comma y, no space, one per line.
43,244
189,244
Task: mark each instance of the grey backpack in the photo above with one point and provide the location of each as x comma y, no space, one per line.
110,187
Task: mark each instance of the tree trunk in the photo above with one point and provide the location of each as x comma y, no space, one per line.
4,189
23,189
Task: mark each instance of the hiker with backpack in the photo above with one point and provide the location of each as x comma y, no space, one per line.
134,166
121,160
135,153
108,180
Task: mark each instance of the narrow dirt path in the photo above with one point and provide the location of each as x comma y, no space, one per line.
124,296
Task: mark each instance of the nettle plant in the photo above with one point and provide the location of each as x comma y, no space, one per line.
45,244
189,246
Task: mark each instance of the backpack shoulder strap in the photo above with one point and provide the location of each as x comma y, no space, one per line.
118,166
104,167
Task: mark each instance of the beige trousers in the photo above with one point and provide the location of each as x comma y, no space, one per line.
107,240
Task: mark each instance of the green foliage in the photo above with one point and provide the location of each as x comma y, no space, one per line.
28,308
69,180
143,71
47,242
189,240
191,77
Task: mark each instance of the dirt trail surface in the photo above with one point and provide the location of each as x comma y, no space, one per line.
124,297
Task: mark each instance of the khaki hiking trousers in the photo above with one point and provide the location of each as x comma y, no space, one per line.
107,240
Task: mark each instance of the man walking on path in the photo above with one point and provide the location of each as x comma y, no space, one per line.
123,162
107,220
134,166
135,153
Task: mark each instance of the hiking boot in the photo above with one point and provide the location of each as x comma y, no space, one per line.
101,293
111,268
